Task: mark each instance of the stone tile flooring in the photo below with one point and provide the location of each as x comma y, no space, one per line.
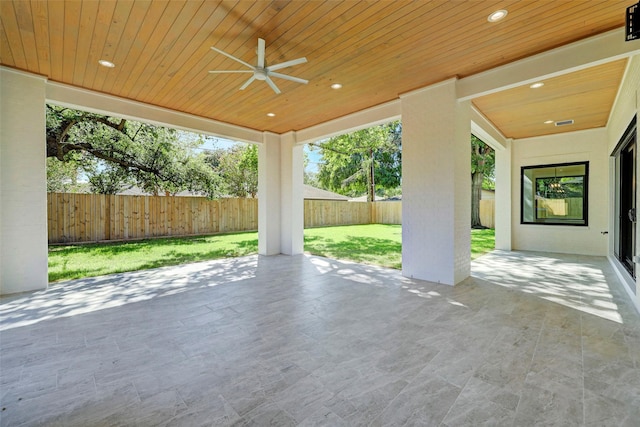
529,339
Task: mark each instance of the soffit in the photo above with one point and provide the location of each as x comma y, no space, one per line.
376,50
585,96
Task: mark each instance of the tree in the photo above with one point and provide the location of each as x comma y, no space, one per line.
482,169
362,161
237,167
309,177
109,180
63,177
111,148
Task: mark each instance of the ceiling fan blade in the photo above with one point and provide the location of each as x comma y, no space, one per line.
229,71
273,85
260,53
293,79
232,57
248,82
287,64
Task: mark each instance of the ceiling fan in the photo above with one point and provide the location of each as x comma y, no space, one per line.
260,71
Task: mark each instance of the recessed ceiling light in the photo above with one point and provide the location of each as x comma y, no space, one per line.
536,85
336,86
106,63
497,15
548,122
271,114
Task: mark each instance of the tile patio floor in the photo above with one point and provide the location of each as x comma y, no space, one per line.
529,339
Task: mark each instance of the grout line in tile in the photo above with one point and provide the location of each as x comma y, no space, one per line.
584,409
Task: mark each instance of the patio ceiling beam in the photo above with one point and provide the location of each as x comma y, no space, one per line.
486,131
83,99
376,115
576,56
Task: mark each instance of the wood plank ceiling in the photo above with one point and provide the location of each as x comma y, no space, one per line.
585,96
376,50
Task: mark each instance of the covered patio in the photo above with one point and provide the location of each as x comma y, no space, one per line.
529,338
545,330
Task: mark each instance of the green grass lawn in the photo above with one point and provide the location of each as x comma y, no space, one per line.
377,244
87,260
482,242
371,244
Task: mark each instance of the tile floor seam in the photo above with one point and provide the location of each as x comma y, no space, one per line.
584,403
535,348
137,392
95,384
584,406
390,402
457,397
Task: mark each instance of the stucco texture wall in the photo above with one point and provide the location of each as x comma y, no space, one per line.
626,105
580,146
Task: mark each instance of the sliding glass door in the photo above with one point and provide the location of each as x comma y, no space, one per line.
626,209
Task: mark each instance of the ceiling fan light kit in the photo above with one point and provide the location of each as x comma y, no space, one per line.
260,71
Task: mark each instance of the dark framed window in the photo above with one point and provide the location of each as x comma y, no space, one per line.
555,194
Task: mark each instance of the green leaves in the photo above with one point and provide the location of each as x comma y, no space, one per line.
237,168
364,161
116,153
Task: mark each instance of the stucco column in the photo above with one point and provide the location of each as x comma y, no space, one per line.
269,195
436,185
503,203
291,180
23,191
280,199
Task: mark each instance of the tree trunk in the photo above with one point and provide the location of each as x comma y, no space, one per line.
372,184
476,194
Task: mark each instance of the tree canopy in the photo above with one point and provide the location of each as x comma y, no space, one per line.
237,168
116,152
364,161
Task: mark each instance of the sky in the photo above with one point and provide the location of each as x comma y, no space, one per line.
211,143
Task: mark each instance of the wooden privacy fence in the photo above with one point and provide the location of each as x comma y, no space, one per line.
487,213
323,213
76,217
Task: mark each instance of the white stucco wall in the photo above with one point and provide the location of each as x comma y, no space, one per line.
503,195
436,171
269,209
591,146
292,201
626,106
23,192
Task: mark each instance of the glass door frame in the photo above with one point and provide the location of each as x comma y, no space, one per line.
625,208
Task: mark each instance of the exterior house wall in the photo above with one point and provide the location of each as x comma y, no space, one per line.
626,106
591,146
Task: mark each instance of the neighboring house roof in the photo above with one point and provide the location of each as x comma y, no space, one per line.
137,191
309,193
313,193
378,199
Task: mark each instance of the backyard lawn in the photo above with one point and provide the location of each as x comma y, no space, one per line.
371,244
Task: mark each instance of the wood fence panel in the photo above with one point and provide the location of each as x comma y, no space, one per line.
96,217
387,213
322,213
487,213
